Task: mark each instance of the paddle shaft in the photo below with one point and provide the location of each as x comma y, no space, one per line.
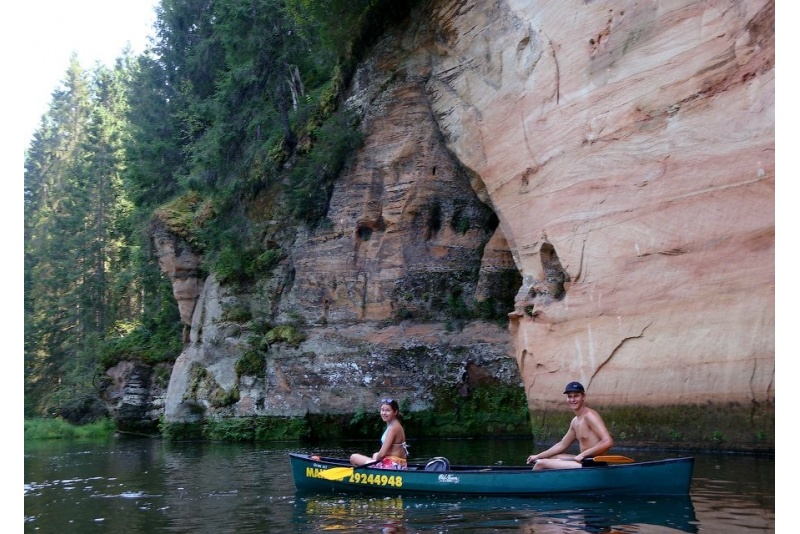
603,459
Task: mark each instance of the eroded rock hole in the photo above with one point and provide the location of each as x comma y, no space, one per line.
364,233
552,287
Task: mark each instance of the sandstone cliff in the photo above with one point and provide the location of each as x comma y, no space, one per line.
602,171
628,149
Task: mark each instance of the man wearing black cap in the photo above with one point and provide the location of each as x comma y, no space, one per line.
587,428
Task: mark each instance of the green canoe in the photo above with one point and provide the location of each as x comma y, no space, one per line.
660,477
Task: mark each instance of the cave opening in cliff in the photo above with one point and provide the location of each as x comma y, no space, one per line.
555,277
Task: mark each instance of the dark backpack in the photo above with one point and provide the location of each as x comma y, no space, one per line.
438,463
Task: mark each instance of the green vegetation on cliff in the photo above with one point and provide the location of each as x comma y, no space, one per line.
236,102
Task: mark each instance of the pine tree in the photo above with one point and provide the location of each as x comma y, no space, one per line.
77,239
52,215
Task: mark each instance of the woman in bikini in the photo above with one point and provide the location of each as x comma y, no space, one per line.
394,451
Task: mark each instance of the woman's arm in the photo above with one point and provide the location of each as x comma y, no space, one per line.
386,448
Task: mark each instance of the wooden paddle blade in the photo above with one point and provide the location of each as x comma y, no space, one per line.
336,473
613,459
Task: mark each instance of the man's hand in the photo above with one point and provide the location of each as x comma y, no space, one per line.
532,458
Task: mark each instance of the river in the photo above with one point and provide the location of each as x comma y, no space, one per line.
141,485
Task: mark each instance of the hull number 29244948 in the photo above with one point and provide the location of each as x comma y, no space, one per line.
392,481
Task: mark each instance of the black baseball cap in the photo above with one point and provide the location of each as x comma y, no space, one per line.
574,387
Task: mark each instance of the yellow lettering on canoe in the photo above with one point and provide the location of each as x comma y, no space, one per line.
314,472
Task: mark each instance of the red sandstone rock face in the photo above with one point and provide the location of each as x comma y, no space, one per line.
627,149
181,264
405,228
631,143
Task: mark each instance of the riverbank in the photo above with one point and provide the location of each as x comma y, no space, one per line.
702,428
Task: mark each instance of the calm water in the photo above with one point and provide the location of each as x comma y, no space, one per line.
142,485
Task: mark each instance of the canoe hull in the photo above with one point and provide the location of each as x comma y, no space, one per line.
660,477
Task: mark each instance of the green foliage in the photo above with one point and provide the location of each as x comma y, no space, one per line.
328,97
186,215
58,428
240,429
459,221
234,99
281,428
332,427
154,343
311,179
458,308
236,429
78,403
199,382
268,260
359,416
334,21
181,431
491,409
250,105
88,275
234,265
285,334
222,398
237,314
231,265
252,363
461,225
675,435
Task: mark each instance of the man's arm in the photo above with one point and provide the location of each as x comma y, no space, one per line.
558,448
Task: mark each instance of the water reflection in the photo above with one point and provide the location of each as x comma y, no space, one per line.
355,513
151,486
351,513
735,493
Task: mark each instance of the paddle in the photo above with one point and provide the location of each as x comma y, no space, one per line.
608,459
338,473
603,460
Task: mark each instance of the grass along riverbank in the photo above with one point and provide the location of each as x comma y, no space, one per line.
729,427
60,429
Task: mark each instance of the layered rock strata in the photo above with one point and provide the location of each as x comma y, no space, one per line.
616,157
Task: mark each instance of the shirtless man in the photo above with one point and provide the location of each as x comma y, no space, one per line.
587,427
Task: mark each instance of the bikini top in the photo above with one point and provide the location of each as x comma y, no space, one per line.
383,440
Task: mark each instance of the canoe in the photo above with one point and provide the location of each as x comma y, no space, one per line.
671,476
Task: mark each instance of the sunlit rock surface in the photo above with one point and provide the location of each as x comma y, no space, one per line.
628,150
616,156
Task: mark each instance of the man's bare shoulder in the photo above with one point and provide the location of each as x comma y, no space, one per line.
588,414
593,418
